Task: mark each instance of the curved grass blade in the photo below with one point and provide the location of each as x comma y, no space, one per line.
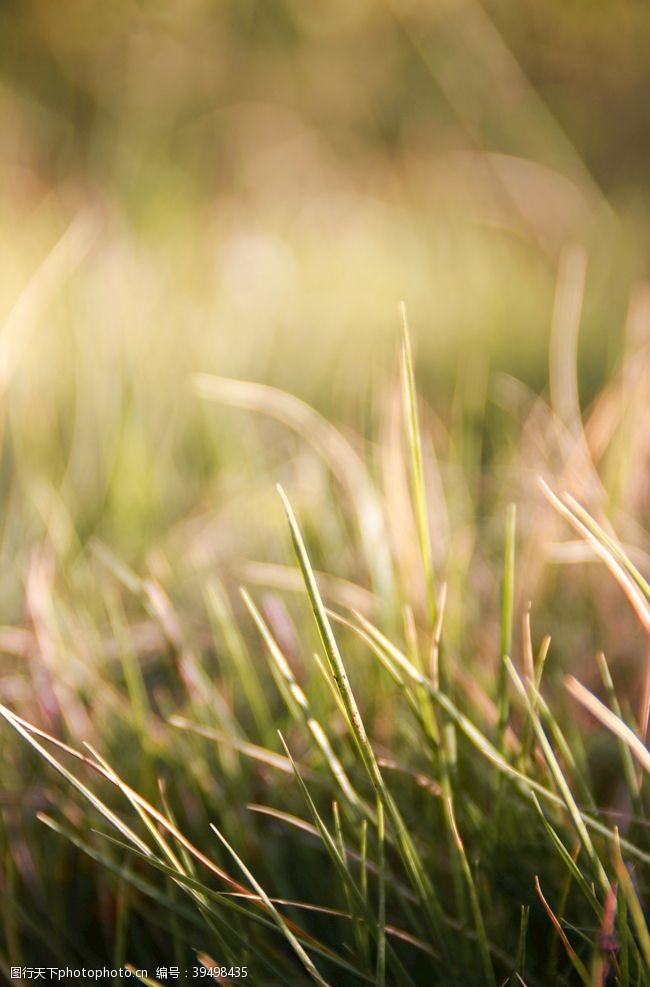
576,962
300,952
481,935
414,443
609,720
313,725
561,782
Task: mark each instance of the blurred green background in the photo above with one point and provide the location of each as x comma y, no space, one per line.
252,187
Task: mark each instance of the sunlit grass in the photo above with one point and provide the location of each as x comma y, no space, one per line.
316,778
324,633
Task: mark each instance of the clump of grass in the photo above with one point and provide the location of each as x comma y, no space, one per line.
321,794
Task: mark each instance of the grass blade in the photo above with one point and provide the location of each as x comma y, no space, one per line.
410,857
302,703
507,603
634,905
481,935
381,907
609,720
561,782
300,952
576,962
414,444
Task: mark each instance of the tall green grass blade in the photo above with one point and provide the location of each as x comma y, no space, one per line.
336,856
528,736
300,952
520,966
507,604
570,753
561,783
570,863
411,858
629,771
363,884
481,935
302,703
338,835
381,907
437,674
414,445
633,904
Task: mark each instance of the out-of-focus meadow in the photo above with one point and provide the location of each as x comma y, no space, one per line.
249,190
192,191
253,187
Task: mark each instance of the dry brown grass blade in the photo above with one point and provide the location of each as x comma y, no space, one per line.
608,720
576,962
631,590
